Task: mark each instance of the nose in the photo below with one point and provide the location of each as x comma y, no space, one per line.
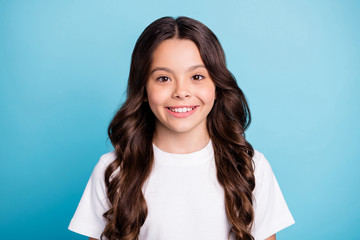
181,90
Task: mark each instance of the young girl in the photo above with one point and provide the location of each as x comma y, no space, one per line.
181,168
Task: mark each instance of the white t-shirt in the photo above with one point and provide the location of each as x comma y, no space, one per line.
185,200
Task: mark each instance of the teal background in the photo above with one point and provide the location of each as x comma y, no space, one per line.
63,71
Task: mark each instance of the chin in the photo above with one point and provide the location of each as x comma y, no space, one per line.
185,128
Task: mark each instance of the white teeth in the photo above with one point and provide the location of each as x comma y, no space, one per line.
181,110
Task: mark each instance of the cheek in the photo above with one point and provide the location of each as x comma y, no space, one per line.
208,94
156,97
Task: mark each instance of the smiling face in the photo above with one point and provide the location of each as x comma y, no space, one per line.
179,89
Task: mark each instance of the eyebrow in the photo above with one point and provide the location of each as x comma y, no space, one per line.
169,70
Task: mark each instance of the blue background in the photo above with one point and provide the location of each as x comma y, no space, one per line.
63,71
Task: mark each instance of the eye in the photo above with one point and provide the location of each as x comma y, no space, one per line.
163,79
197,77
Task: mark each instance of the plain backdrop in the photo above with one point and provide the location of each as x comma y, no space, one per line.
63,73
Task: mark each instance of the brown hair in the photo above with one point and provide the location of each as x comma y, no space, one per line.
131,132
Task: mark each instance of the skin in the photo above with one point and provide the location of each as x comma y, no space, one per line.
273,237
179,78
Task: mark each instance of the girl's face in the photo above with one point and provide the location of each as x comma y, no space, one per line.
179,88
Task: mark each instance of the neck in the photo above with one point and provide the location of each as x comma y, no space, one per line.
181,142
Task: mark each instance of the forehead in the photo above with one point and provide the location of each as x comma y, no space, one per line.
175,52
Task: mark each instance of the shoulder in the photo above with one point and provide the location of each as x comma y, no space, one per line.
262,169
104,161
260,163
107,158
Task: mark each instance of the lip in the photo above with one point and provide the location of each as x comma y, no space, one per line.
182,114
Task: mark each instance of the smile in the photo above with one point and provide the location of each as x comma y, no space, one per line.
182,109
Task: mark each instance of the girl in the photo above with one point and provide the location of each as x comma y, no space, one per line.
181,168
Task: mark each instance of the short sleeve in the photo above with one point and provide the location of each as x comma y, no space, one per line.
88,219
271,211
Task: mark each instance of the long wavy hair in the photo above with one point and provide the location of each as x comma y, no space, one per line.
131,133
